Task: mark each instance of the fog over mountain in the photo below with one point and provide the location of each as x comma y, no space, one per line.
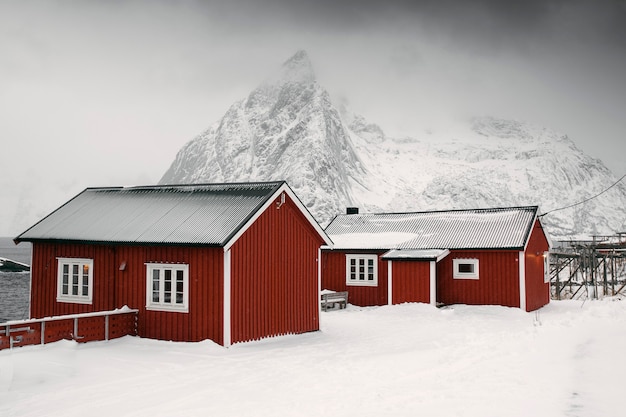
290,128
105,93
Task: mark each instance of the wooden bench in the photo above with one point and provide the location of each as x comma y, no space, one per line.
333,299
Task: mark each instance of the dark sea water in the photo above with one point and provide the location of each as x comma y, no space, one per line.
14,286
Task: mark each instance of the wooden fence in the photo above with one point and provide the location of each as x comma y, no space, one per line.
87,327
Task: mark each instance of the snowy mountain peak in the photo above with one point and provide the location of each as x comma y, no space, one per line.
503,129
296,70
290,88
298,62
288,129
513,129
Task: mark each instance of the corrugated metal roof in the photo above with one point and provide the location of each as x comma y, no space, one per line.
456,229
207,214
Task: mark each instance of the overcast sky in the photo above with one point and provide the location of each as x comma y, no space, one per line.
101,93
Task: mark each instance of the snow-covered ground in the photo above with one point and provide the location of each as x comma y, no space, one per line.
406,360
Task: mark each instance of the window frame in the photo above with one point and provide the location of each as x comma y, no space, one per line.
456,274
162,305
80,264
362,282
546,267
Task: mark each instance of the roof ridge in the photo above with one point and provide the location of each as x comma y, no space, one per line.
486,209
207,184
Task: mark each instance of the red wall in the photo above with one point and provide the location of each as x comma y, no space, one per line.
43,292
274,276
411,281
537,291
113,288
274,281
498,281
334,278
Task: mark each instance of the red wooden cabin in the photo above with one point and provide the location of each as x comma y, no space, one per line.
482,256
226,262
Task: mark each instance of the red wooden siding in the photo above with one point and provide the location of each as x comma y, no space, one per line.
204,319
410,281
44,279
334,278
274,287
498,281
113,288
537,291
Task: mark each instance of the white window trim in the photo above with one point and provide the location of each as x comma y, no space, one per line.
546,267
162,306
69,298
361,283
456,274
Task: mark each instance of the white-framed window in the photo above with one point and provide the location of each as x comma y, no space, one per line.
465,268
167,287
75,280
546,267
362,270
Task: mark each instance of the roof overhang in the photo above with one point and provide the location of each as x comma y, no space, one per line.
117,243
545,233
416,254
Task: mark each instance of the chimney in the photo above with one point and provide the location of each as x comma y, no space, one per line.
352,210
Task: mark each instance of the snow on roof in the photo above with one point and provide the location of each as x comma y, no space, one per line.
496,228
207,214
382,240
421,254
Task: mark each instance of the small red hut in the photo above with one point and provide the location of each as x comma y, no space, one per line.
226,262
482,256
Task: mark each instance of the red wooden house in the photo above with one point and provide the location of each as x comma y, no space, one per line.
483,256
227,262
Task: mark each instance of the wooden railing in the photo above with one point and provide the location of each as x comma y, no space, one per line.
85,327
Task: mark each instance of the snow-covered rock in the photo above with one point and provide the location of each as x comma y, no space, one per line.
288,128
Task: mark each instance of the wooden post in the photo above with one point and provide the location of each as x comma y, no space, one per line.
557,285
606,282
613,278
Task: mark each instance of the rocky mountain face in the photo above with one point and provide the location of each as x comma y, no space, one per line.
288,128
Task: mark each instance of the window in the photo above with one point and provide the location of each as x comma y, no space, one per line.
546,267
465,268
167,287
362,270
75,280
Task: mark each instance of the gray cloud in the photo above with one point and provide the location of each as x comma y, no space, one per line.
105,93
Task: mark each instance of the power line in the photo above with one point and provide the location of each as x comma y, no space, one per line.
584,201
